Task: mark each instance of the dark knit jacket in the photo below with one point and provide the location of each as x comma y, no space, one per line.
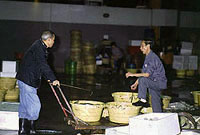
34,65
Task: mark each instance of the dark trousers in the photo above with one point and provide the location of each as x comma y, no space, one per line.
118,64
154,90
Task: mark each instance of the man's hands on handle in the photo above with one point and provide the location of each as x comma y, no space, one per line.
55,83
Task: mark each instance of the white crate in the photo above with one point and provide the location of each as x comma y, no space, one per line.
186,52
187,45
185,62
192,66
8,74
178,58
9,120
193,59
135,42
123,130
8,66
180,66
154,124
185,132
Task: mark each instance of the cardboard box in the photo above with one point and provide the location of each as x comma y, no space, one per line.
154,124
8,66
123,130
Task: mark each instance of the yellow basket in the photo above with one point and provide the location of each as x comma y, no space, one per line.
2,95
180,73
119,112
89,69
195,95
190,72
12,95
146,110
88,111
7,83
125,97
166,101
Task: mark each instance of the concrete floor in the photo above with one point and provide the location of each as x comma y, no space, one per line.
52,117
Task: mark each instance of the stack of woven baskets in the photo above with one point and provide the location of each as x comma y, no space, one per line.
75,51
8,92
89,60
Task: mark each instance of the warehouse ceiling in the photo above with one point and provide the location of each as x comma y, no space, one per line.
184,5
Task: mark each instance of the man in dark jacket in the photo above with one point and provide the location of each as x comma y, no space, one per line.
33,67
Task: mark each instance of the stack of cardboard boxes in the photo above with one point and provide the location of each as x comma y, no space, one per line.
185,64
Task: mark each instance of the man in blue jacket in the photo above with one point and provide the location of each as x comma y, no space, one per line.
152,78
33,67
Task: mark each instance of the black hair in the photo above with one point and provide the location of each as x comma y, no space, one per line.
150,42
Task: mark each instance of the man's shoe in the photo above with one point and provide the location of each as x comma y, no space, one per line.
24,127
140,103
32,128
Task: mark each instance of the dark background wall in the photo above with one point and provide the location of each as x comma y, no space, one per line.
17,36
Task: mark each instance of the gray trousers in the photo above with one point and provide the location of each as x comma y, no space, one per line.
154,90
30,105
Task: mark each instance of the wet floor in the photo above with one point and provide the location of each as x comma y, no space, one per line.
100,88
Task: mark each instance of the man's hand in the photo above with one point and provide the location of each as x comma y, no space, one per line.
129,74
134,86
56,83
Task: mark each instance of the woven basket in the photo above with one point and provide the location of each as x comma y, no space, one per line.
2,95
88,111
125,97
7,83
166,101
119,112
195,95
75,43
180,73
76,35
89,69
12,95
190,72
146,110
